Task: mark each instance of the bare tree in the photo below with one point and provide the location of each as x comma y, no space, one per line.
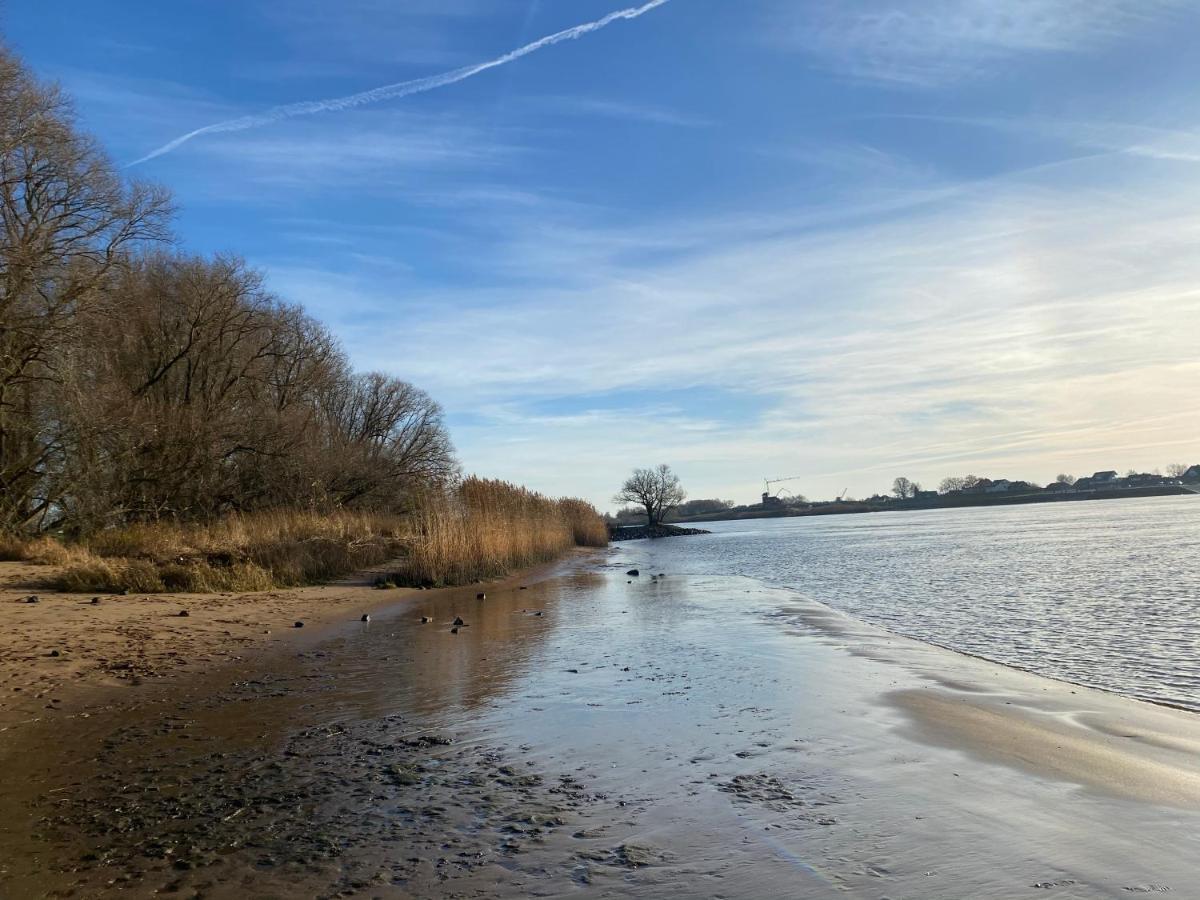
66,222
953,483
656,490
1177,470
903,488
1065,479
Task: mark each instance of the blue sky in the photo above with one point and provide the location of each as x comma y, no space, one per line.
846,241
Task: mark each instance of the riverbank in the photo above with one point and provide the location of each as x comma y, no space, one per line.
63,655
595,735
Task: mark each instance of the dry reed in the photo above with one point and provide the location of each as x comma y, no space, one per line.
477,529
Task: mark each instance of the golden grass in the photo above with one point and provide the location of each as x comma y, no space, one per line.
477,529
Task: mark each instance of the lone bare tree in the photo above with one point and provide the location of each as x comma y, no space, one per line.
905,489
1177,470
657,490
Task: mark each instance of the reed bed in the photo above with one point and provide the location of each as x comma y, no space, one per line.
476,529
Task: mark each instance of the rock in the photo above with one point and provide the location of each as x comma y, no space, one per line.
522,588
454,630
424,620
481,596
298,625
95,601
183,614
458,620
633,572
365,618
32,598
54,653
538,613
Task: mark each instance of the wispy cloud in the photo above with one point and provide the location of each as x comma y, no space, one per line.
619,109
925,43
1016,326
400,89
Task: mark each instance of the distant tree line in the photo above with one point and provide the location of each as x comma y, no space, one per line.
140,383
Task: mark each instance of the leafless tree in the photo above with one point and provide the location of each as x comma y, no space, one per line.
1177,470
1065,479
904,489
656,490
68,221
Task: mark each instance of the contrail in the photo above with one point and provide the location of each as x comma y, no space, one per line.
400,89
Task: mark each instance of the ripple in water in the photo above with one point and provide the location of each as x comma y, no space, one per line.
1103,593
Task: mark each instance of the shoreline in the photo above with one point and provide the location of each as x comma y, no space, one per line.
682,735
63,656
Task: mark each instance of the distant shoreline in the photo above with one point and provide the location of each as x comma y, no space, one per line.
839,508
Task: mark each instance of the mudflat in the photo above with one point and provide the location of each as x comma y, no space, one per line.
582,733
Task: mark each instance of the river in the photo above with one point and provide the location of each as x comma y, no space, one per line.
1105,593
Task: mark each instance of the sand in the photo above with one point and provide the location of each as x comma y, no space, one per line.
582,734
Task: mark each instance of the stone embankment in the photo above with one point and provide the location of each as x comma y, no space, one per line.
641,532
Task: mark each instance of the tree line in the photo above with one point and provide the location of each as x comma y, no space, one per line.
139,382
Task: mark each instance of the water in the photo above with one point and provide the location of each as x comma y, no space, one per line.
1105,593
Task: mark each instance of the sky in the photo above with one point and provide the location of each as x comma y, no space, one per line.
842,241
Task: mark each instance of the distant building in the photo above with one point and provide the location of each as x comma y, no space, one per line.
925,495
1058,487
1102,478
771,502
1192,474
1000,486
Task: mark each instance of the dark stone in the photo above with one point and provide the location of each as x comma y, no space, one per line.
366,618
458,620
454,630
53,653
95,601
298,625
183,614
32,598
424,620
481,596
633,572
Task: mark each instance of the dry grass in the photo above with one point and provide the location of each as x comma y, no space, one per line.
479,529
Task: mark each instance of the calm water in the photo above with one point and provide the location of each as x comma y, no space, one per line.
1103,593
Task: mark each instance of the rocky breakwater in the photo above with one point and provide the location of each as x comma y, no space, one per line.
641,532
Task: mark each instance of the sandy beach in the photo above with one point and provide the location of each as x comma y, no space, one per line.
583,733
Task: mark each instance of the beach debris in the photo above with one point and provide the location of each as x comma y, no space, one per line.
481,596
523,588
365,618
298,625
424,620
538,613
95,601
32,598
633,572
454,630
183,614
458,620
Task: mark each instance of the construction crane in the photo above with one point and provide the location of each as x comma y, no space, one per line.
843,494
767,482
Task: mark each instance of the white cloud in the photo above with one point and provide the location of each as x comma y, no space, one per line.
927,43
1018,326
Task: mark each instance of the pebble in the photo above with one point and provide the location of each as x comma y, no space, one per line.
32,598
54,653
298,625
95,601
366,618
454,630
481,596
183,614
424,620
458,620
633,572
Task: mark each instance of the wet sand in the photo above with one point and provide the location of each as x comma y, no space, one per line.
589,736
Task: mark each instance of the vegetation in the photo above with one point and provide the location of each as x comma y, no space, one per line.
656,490
177,427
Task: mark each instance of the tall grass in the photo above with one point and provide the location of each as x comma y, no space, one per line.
487,528
476,529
